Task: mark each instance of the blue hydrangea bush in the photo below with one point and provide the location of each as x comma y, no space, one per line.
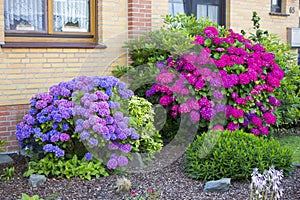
81,117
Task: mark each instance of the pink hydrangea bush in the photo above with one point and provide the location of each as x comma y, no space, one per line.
228,75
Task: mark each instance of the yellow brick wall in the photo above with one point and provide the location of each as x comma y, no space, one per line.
159,10
239,14
26,71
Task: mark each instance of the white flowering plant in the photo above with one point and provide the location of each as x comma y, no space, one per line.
267,185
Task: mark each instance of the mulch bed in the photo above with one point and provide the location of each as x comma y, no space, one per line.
171,181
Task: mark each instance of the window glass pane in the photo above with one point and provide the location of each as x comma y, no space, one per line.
274,2
178,8
213,13
71,15
171,11
24,15
208,11
201,11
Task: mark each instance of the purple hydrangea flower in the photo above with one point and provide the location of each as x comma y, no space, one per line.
112,164
135,136
126,148
218,95
93,142
40,104
194,116
84,135
88,156
113,146
208,113
122,136
55,137
65,126
122,161
64,137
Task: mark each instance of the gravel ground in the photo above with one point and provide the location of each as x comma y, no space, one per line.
171,181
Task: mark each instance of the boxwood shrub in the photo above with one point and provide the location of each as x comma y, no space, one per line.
218,154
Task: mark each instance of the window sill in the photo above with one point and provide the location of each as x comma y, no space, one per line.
53,45
279,14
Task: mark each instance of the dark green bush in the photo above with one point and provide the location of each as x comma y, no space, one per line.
218,154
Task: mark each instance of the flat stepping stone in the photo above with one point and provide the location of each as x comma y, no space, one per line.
5,159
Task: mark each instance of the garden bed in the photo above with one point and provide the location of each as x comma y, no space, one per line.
171,181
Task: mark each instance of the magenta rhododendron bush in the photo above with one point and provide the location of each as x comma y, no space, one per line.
227,75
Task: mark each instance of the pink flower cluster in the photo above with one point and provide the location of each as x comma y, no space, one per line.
246,71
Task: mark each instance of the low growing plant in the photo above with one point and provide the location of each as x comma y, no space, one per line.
53,166
152,193
234,154
7,174
27,197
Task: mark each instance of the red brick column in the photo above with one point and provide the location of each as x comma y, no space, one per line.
139,17
9,117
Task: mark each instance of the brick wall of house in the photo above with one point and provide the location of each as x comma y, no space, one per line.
9,116
139,17
27,71
239,14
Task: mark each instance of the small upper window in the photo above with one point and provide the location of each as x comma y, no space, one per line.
276,6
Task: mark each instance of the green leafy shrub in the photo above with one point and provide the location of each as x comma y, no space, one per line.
53,166
141,119
235,155
289,91
157,45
